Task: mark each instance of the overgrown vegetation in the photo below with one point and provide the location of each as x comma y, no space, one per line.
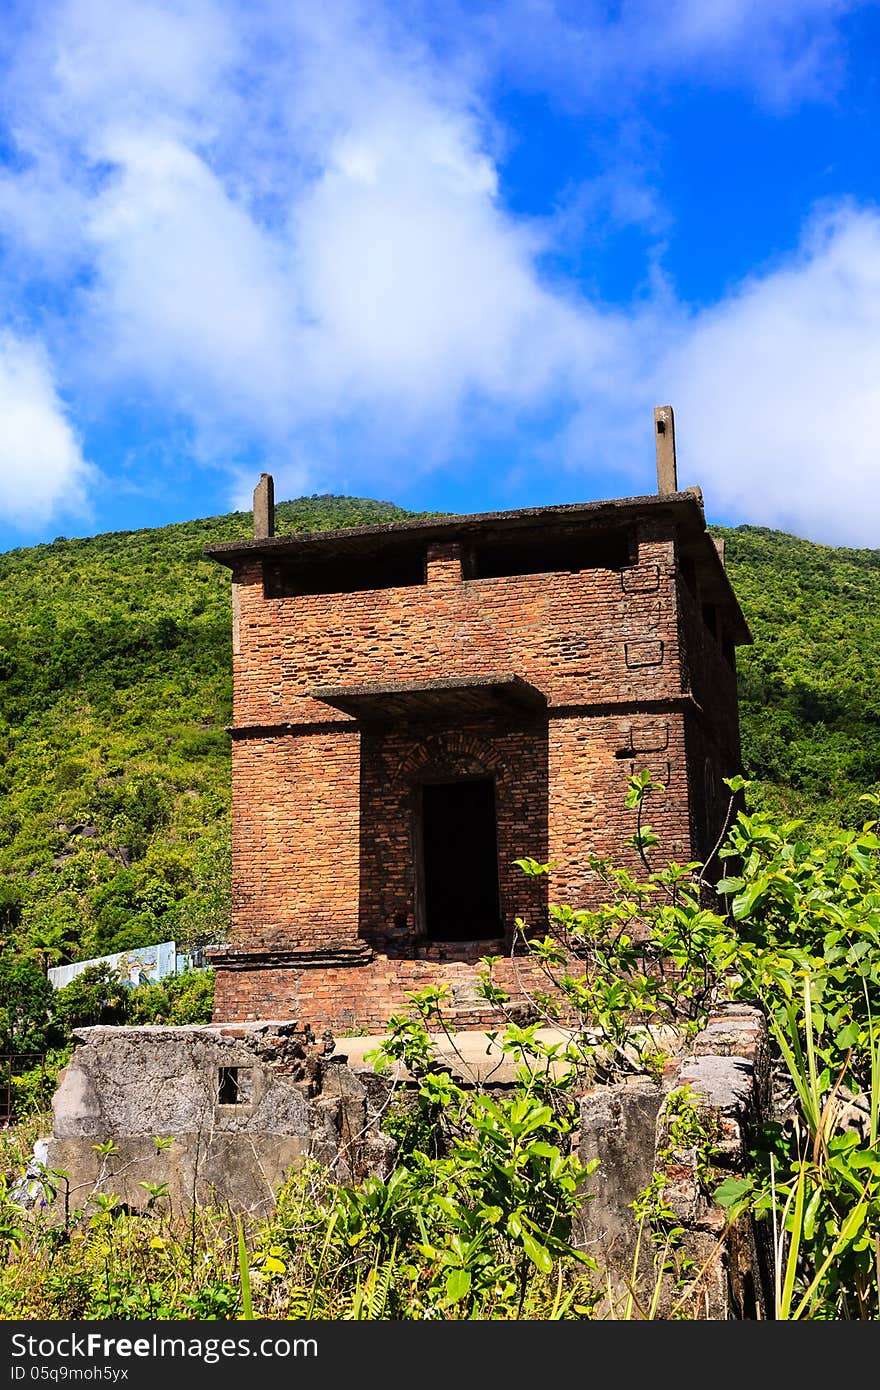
37,1021
481,1221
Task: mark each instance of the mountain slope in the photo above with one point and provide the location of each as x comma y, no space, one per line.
810,685
115,691
115,657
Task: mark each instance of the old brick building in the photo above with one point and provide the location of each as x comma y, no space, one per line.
419,704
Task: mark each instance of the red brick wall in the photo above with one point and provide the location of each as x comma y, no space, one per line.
324,852
295,838
351,998
706,672
713,745
591,637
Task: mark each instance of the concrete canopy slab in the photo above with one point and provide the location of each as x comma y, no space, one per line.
393,702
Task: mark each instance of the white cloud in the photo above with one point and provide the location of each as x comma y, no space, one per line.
282,226
42,470
84,66
784,51
596,54
777,390
188,295
420,289
356,265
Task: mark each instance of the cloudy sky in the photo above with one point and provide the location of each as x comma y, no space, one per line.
449,255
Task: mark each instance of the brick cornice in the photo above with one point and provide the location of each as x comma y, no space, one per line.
595,710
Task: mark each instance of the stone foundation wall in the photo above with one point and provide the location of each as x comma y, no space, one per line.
726,1075
242,1105
301,1097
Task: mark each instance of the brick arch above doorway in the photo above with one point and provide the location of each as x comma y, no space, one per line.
456,752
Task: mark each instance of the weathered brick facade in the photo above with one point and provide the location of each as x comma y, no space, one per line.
545,654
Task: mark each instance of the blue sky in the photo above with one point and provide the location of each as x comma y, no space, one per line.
447,255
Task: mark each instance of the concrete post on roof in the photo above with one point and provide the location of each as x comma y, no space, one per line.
264,508
664,440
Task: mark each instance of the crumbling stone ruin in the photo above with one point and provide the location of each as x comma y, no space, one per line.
244,1104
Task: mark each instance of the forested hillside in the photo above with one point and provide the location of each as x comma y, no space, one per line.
115,693
810,684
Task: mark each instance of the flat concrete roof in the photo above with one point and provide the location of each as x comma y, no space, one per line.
567,515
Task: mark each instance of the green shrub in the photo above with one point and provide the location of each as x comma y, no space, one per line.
186,998
96,995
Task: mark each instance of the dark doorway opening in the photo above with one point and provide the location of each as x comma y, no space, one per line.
460,861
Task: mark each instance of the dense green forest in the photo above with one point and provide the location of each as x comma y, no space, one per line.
809,687
115,692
